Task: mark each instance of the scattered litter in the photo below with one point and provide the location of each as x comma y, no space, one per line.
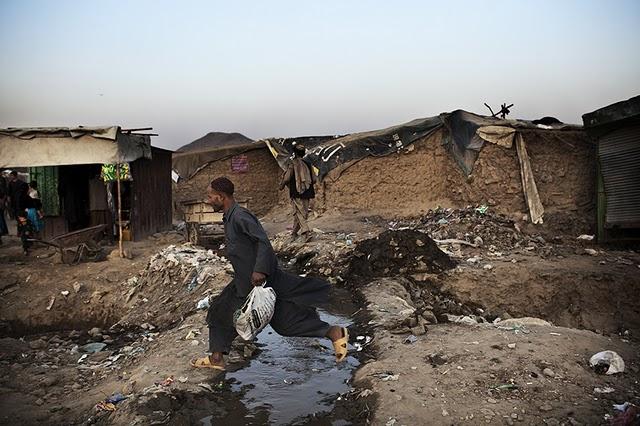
203,303
192,334
365,393
392,421
506,386
115,398
462,319
487,267
591,251
51,302
206,386
606,389
92,348
621,407
607,362
65,293
183,379
82,358
555,334
511,345
410,339
585,237
166,382
482,209
105,406
390,378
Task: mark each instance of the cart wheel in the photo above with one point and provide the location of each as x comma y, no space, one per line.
192,233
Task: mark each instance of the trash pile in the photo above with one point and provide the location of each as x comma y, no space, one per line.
174,280
392,253
476,227
328,255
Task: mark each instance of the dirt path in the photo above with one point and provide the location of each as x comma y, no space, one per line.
405,287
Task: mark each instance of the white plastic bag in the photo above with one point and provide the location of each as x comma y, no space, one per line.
256,312
607,361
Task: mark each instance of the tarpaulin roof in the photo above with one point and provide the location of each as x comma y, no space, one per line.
56,146
465,136
187,164
329,152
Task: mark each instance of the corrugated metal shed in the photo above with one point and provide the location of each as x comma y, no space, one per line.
617,129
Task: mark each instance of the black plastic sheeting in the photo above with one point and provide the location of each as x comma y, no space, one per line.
329,152
460,139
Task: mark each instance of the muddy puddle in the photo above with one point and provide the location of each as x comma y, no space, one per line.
294,380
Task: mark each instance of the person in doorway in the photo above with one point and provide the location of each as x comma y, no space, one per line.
3,200
18,193
300,178
254,263
34,207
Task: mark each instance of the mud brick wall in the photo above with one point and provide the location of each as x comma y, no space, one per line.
260,182
427,177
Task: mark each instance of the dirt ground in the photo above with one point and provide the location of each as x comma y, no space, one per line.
433,341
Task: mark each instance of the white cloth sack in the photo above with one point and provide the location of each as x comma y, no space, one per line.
256,312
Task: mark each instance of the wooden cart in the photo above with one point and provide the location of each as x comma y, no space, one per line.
77,246
204,226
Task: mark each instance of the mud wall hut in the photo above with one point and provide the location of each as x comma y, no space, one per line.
545,172
251,167
67,163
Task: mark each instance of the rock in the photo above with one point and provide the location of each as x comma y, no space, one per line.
591,251
77,287
511,345
147,326
39,402
76,386
100,356
552,422
524,321
487,267
492,401
419,330
95,331
478,241
74,334
429,317
412,322
38,344
49,381
546,407
548,372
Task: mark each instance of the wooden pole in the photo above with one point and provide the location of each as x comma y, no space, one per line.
119,211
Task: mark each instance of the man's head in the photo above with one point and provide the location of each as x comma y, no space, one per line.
13,175
299,150
33,184
221,189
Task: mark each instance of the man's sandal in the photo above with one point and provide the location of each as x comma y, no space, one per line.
206,363
340,345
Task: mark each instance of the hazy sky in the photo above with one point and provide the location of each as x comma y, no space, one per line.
291,68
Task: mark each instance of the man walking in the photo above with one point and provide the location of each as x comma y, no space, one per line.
18,193
300,179
254,263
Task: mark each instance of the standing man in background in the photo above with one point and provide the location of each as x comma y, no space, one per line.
300,178
18,193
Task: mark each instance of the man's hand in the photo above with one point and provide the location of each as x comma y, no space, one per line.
258,278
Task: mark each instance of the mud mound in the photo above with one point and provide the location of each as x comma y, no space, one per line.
402,252
169,287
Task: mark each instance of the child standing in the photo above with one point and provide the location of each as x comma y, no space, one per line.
25,231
